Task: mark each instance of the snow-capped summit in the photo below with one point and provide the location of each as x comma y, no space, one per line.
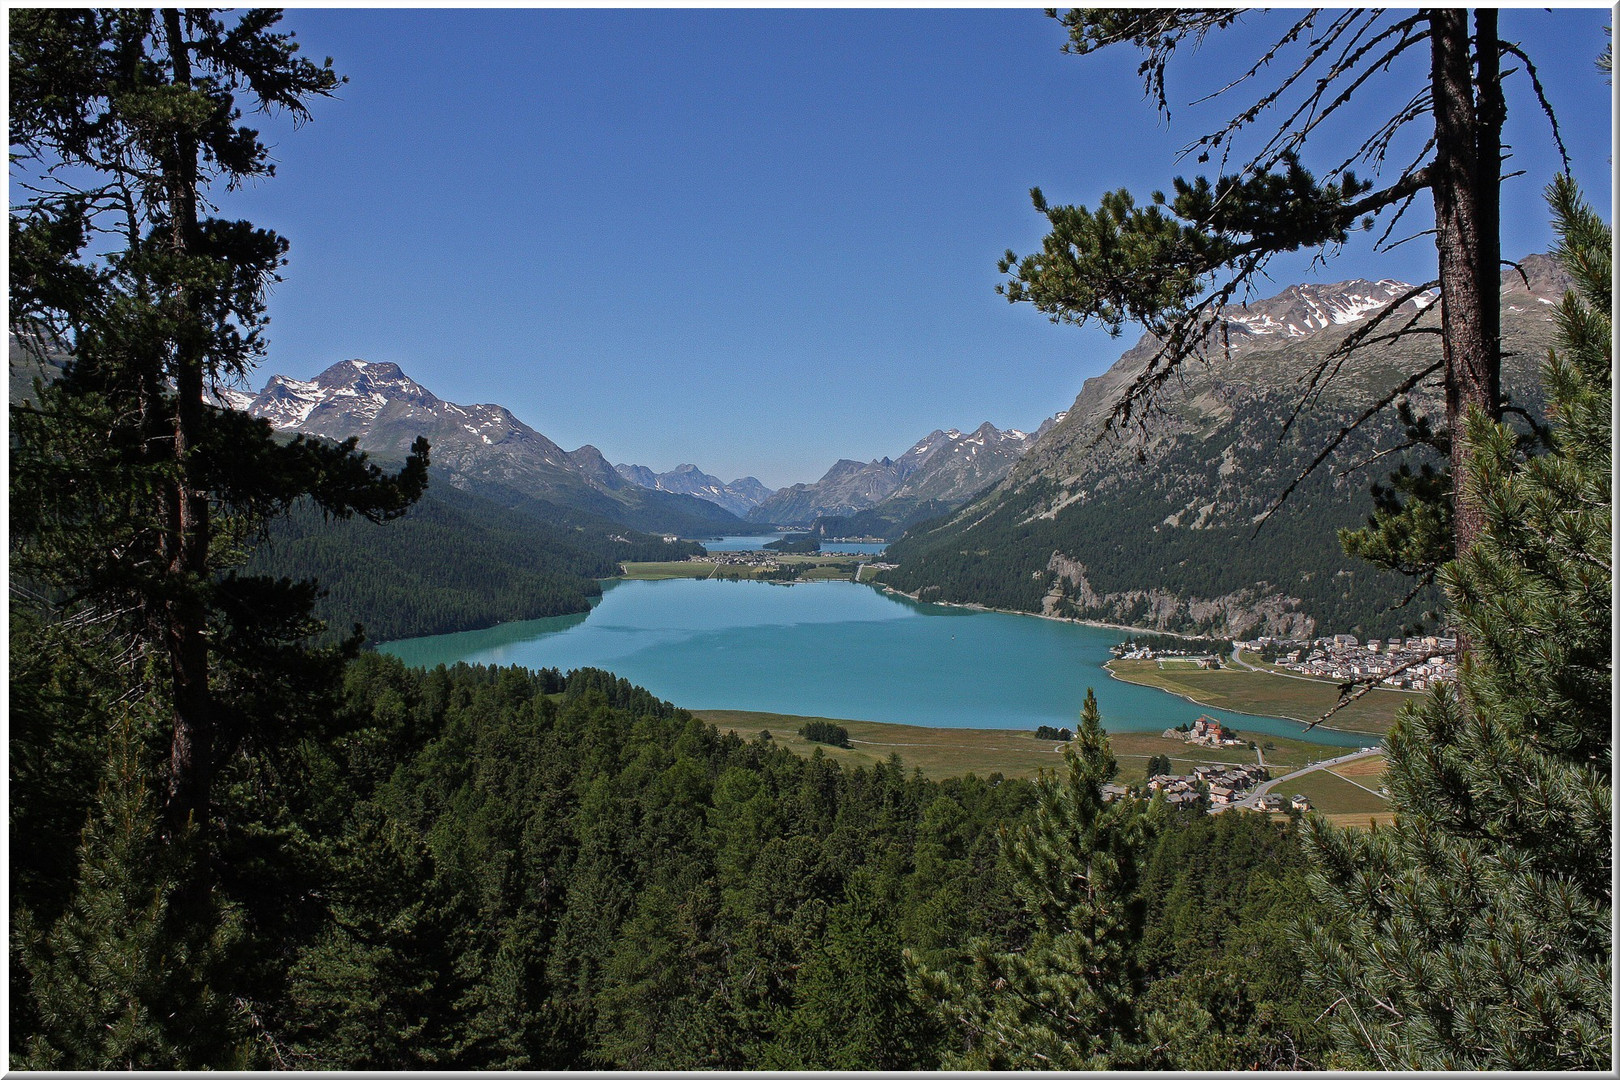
482,448
1302,310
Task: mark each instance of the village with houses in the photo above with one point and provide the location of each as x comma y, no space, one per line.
1413,663
1221,786
1410,663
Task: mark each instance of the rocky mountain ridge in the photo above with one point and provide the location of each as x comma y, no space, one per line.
943,468
739,496
483,449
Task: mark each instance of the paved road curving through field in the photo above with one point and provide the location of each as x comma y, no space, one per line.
1252,799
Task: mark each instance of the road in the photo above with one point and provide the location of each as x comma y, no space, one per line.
1246,666
1252,799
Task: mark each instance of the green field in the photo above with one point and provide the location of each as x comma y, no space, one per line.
1265,694
659,571
1335,796
812,568
947,752
938,752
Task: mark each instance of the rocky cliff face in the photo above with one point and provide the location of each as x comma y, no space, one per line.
1155,524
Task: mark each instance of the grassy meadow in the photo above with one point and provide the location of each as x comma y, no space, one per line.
812,568
946,752
660,571
1337,797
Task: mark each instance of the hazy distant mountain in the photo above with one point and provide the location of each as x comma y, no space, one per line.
483,449
739,496
942,469
1156,526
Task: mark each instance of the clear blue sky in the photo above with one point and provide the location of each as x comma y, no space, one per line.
757,241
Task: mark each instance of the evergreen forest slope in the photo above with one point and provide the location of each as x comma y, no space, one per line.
1156,526
455,562
502,868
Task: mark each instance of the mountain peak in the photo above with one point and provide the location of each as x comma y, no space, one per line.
1299,311
739,496
479,448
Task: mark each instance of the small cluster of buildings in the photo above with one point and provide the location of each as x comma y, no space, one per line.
1130,651
1221,785
1224,784
1413,663
1206,731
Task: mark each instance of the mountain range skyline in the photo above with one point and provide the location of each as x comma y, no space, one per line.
487,450
383,406
776,225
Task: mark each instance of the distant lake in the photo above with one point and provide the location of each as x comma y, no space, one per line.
840,650
757,543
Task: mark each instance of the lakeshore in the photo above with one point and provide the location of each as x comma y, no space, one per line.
1369,715
840,650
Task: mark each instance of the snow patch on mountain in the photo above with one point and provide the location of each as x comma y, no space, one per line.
1302,310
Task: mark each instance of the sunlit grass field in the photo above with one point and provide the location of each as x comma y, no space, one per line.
1335,796
836,567
947,752
659,571
1266,694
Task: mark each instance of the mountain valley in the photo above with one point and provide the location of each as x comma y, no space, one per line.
1152,525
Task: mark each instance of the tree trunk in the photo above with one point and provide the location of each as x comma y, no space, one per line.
1467,180
191,749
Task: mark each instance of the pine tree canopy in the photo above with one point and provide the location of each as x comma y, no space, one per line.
1475,932
1172,262
1068,1000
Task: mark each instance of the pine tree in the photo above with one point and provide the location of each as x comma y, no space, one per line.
132,492
1475,932
126,978
134,497
851,1009
1173,261
1070,999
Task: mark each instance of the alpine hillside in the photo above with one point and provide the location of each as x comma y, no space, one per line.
457,561
482,449
1156,525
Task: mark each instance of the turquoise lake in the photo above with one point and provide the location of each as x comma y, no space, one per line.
839,650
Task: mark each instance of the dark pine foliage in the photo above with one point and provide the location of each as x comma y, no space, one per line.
456,562
1476,932
826,732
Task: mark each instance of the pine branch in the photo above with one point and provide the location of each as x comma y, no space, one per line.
1344,432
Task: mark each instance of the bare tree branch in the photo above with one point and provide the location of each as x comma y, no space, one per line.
1383,403
1368,683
